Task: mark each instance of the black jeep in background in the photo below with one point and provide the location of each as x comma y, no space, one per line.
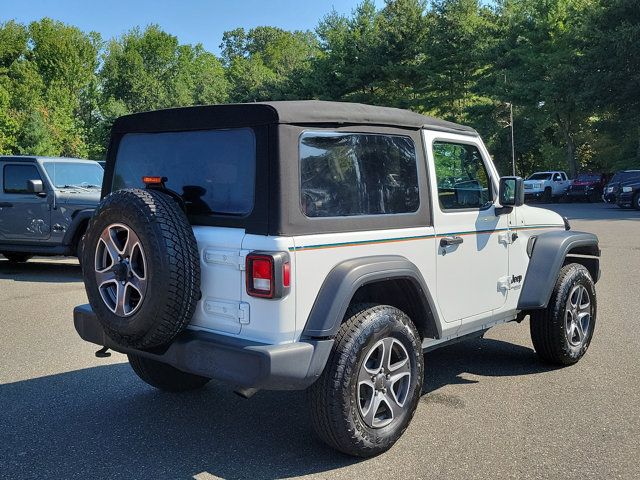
614,187
629,193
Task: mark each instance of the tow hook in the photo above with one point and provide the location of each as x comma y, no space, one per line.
245,392
103,352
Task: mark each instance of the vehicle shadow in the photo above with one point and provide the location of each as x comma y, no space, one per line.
39,271
481,357
103,422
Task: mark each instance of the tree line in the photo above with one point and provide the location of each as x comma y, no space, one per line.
570,69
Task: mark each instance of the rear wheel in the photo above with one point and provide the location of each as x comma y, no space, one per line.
369,390
16,257
165,377
562,332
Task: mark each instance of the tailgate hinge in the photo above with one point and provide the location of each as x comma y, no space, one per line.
238,311
225,257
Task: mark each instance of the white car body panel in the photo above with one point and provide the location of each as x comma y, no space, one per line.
474,285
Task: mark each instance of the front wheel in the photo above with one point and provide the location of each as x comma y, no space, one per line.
636,201
369,390
562,332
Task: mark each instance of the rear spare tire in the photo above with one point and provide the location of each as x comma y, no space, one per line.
141,267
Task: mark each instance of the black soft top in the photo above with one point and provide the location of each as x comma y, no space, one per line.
297,112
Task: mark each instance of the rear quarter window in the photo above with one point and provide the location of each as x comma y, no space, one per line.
350,174
213,170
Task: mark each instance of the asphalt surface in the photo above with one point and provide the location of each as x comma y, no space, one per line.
490,409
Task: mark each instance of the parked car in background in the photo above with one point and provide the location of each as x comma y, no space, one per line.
613,187
45,204
629,194
546,186
586,186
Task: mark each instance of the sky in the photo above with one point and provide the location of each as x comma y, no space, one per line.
192,21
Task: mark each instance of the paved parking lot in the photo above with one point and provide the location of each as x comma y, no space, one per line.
489,410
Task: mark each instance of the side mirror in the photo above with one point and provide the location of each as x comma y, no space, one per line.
36,187
511,191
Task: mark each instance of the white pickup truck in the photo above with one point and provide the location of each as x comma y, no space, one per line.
546,185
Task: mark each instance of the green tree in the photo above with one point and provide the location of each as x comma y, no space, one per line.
149,69
611,68
267,63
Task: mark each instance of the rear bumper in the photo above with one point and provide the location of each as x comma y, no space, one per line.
292,366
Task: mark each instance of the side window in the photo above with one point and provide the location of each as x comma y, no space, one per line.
347,174
463,181
16,177
564,176
557,177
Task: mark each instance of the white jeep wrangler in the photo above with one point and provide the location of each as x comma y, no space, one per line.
320,246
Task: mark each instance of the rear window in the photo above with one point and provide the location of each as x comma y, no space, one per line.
213,170
586,177
347,174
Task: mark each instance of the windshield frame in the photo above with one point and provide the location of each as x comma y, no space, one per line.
547,177
625,176
46,165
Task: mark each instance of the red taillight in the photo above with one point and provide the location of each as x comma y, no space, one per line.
286,274
260,275
268,274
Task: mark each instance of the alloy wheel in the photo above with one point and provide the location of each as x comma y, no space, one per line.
384,379
121,269
578,316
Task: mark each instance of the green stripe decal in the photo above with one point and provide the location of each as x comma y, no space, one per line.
419,237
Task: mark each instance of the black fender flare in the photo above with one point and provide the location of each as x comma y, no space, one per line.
548,253
78,217
344,280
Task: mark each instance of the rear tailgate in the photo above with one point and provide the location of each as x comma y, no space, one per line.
222,263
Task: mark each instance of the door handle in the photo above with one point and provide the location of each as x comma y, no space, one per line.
5,204
448,241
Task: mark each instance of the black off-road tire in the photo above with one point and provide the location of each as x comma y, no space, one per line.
548,326
165,377
172,267
17,257
333,399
